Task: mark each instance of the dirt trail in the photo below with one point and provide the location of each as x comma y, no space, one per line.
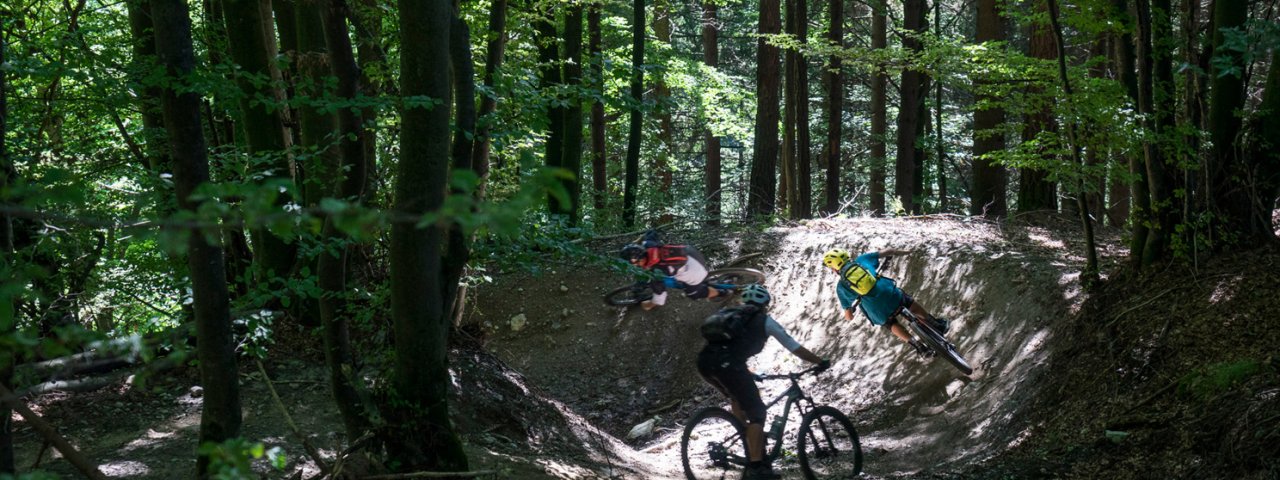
1005,289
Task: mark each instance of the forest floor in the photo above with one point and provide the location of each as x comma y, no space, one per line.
1168,377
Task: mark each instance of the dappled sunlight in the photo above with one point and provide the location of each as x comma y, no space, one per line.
124,469
1225,289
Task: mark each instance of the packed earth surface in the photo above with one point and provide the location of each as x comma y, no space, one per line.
1172,377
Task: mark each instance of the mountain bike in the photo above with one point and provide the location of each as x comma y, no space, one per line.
714,442
933,342
723,279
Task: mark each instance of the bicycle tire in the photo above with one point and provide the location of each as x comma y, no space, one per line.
823,425
626,296
942,347
735,276
699,469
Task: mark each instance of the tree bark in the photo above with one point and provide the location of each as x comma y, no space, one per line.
263,127
637,115
144,49
331,269
458,250
711,143
420,435
988,196
787,188
548,41
1035,191
599,168
8,323
835,107
220,417
572,160
913,21
662,100
764,165
803,206
879,107
1156,100
485,117
1266,155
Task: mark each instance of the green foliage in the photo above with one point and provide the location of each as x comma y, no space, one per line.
1213,380
232,459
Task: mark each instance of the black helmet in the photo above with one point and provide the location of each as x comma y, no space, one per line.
632,251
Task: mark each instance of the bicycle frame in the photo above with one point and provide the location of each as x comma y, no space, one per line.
793,395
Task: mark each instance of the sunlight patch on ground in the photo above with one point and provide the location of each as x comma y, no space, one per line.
1045,240
124,468
1225,290
559,469
151,438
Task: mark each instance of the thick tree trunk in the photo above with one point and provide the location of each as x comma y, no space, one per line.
787,188
263,127
548,41
1266,156
835,107
1035,191
7,321
879,107
803,206
371,57
1140,208
988,196
317,125
662,99
420,435
572,160
630,183
144,47
220,416
496,47
599,168
711,143
912,86
764,165
332,269
458,250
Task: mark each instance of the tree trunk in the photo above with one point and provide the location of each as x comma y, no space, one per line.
458,250
144,47
637,115
1035,191
420,435
912,84
264,129
788,189
331,269
1229,200
599,168
803,206
1266,155
662,99
1090,274
835,107
496,47
1156,100
764,165
879,107
220,416
572,160
1141,201
988,196
371,56
548,42
711,143
8,322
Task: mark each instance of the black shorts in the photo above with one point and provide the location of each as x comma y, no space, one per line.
893,319
731,377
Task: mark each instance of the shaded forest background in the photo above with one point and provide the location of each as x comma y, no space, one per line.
226,167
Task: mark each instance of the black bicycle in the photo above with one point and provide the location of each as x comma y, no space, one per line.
714,441
723,279
934,343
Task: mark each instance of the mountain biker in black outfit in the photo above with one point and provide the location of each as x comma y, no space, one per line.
723,364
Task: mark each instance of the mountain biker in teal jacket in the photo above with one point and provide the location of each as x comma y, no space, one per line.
723,364
882,303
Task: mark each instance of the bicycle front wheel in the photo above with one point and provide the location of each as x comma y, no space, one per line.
735,276
829,446
628,295
714,445
941,346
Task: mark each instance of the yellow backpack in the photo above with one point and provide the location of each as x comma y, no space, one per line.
861,280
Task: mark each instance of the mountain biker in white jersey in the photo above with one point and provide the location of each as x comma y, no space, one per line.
681,266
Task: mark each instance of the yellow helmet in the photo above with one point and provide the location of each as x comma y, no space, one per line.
835,258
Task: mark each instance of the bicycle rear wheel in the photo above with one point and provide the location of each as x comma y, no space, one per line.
829,446
735,276
941,346
714,445
628,295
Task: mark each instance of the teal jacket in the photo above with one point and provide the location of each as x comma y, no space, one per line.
883,300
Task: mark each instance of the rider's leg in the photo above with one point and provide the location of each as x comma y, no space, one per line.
900,332
755,442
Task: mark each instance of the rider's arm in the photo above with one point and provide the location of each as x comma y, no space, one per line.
780,334
889,252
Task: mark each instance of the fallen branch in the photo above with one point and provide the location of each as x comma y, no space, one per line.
1135,307
50,434
663,408
306,444
398,476
620,235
